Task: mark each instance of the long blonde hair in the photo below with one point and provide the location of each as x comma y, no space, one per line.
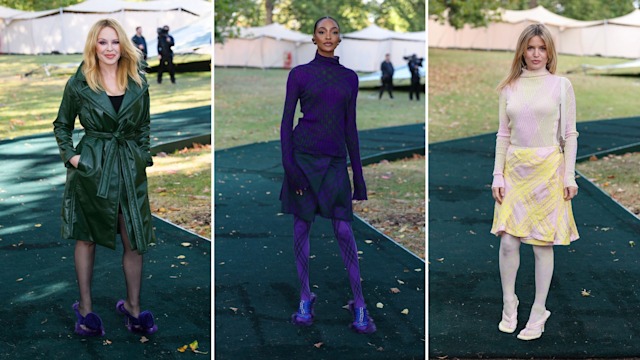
518,59
128,64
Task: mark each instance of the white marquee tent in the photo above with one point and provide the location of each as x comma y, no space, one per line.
571,36
64,30
274,46
263,47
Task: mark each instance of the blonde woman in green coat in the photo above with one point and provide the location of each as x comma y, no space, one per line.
106,187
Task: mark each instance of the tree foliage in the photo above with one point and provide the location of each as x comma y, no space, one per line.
459,12
300,15
37,5
401,15
479,12
588,9
231,14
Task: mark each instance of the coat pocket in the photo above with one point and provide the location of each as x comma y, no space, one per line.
90,161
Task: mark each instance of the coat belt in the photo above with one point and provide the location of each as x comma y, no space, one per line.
117,145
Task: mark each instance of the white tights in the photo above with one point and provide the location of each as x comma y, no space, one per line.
509,260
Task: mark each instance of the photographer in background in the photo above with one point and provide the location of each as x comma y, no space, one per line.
165,54
414,67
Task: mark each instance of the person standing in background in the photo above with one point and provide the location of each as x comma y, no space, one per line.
140,41
165,54
387,76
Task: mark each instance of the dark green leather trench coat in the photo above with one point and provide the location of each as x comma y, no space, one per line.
111,173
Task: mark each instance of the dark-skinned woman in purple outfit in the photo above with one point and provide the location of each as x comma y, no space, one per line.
314,157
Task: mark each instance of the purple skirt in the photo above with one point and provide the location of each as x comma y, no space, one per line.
329,194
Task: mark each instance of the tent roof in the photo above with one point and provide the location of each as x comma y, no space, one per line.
540,14
198,7
275,31
631,19
6,12
374,32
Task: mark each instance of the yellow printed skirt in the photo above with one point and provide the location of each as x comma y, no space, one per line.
533,208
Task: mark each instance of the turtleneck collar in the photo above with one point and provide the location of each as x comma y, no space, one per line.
328,60
534,73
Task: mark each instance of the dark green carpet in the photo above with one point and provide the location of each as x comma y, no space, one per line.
39,286
255,271
465,297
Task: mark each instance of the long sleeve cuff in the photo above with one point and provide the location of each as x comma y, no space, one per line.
498,181
502,144
359,188
570,150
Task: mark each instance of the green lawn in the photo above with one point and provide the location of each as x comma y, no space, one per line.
463,101
29,104
249,103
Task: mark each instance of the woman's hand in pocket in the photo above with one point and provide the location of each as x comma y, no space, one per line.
74,161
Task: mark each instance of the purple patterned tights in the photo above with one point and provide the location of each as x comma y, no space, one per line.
348,249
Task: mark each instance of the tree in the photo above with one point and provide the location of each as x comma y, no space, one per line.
459,12
302,15
232,14
589,9
37,5
401,15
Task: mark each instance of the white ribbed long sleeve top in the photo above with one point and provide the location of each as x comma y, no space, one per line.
529,116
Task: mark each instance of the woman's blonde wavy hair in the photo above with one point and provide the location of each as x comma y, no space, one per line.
128,64
518,58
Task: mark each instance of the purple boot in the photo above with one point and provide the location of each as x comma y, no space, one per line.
362,323
304,315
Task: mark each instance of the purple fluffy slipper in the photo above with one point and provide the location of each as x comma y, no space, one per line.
304,315
143,324
362,323
90,325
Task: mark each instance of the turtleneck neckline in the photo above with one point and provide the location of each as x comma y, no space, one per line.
329,60
534,73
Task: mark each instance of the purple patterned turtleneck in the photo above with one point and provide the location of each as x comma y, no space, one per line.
327,93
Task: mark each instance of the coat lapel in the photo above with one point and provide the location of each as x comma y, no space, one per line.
100,99
131,95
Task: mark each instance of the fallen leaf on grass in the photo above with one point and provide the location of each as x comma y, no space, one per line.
380,305
235,310
19,279
38,225
43,321
193,347
186,244
417,270
585,292
107,342
346,307
400,282
632,243
179,257
368,241
440,260
395,290
593,158
144,339
405,311
318,345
